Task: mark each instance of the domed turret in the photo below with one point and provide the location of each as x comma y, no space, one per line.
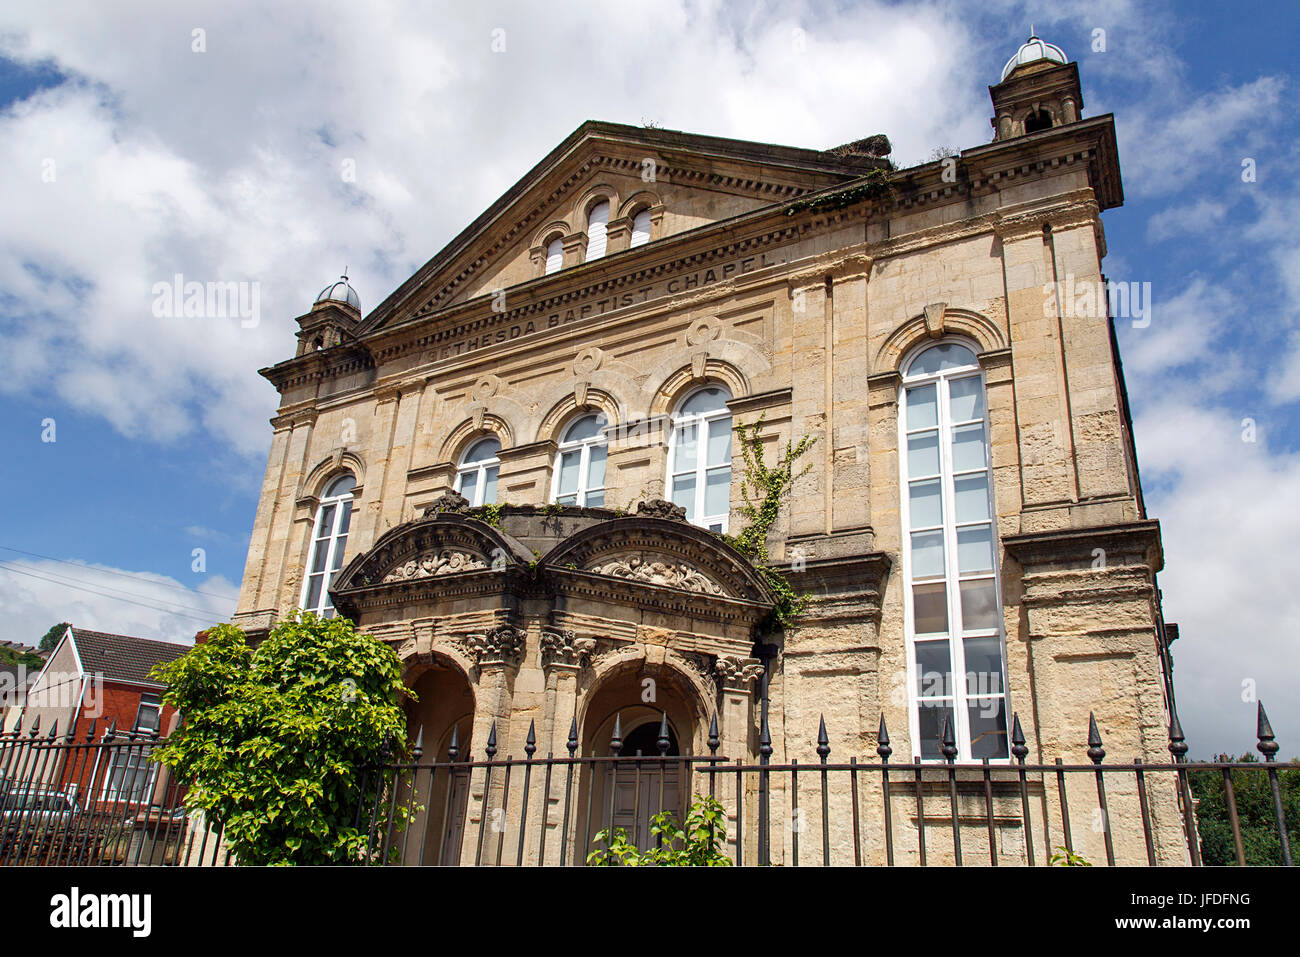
1039,90
340,291
1034,50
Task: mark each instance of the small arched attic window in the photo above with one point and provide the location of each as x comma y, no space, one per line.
554,254
640,228
597,226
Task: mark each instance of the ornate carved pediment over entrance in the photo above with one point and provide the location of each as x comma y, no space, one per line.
444,562
649,550
431,549
657,569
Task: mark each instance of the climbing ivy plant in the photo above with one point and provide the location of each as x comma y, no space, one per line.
763,490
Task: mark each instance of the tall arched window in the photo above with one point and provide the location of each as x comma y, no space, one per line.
476,478
954,611
699,458
554,255
329,540
597,222
580,464
640,229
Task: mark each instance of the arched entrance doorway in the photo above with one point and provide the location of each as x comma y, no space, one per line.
444,711
644,705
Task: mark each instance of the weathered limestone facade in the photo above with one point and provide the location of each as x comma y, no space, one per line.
791,279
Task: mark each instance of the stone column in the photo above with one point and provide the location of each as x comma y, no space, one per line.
1042,395
1087,598
562,660
846,451
736,679
497,654
809,323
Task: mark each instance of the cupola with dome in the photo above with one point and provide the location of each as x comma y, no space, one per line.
1039,89
340,291
332,319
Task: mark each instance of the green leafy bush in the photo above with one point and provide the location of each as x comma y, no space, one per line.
697,844
275,740
1256,816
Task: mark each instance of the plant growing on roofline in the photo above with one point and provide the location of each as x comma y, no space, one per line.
276,740
763,490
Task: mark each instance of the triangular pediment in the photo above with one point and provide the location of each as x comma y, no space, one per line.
686,181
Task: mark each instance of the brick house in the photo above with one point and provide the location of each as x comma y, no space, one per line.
93,681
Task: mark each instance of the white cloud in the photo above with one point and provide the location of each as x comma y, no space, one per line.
1199,219
38,593
1230,519
1168,143
226,165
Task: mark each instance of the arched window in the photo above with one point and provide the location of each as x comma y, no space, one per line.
640,229
1038,120
954,611
554,255
699,458
476,478
597,222
329,539
580,464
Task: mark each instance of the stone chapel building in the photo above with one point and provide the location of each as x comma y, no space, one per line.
515,468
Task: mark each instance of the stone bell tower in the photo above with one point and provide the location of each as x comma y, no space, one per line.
1039,90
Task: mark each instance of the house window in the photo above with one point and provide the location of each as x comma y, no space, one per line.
580,464
640,228
954,611
597,222
477,477
554,255
130,775
329,539
699,458
146,716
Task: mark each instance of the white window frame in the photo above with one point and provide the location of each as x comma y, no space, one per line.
479,469
584,447
139,775
331,541
957,696
702,422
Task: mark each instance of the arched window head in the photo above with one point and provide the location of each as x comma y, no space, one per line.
955,628
579,477
476,478
597,224
554,255
329,541
640,229
699,457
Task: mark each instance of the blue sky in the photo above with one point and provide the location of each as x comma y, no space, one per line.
131,161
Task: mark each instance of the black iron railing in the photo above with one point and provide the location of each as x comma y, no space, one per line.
552,809
98,800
